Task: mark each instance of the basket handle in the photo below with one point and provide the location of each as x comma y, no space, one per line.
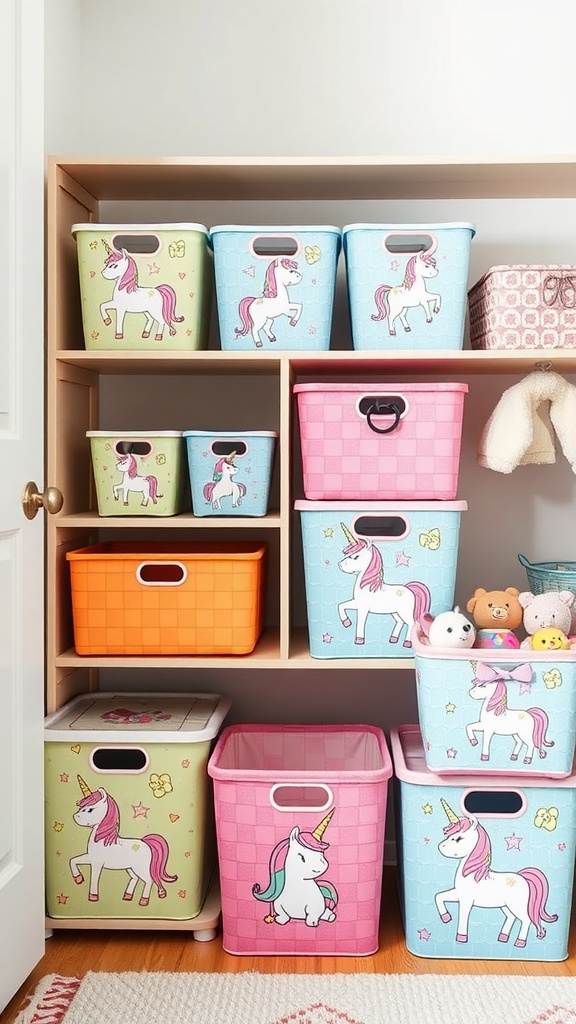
524,562
378,409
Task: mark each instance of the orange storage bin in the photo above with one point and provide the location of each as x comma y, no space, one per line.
171,598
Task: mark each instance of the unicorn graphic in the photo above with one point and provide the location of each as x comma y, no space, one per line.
147,486
405,604
394,301
293,891
258,314
521,895
157,304
223,484
143,859
527,727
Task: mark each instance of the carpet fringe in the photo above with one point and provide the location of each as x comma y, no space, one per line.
51,1001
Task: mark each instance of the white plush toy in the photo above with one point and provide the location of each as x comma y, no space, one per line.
449,629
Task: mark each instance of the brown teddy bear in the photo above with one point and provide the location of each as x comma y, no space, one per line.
496,614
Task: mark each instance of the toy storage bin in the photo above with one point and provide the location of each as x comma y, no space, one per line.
514,839
505,712
544,576
286,796
407,284
524,306
144,286
380,441
275,286
142,473
365,562
168,598
230,473
143,757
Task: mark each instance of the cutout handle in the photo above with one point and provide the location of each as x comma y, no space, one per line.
228,447
381,527
494,803
161,574
128,447
138,244
296,796
124,760
275,245
406,242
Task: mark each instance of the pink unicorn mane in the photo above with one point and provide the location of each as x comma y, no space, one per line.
107,830
410,273
270,286
497,702
478,861
132,469
373,575
129,279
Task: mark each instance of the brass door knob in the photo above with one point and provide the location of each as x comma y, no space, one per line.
32,500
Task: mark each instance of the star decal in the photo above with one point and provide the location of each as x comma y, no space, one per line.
328,532
525,688
562,846
64,777
57,826
327,638
62,898
402,558
451,753
512,842
140,811
153,268
427,808
450,708
424,934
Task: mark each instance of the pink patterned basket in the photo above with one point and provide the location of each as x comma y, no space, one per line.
300,821
524,306
380,441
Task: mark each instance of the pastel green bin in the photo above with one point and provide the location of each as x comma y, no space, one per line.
143,473
129,823
144,286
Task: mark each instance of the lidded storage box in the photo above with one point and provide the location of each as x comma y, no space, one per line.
275,286
509,712
142,473
300,821
524,306
230,473
380,441
486,864
129,807
372,569
407,284
168,598
144,286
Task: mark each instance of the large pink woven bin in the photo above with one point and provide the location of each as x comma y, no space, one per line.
300,823
524,306
380,441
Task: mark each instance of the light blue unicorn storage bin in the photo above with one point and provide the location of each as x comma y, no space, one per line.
142,473
372,569
407,284
486,865
230,473
275,286
510,712
144,286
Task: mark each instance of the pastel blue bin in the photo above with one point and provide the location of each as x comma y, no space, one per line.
275,286
510,712
230,473
367,562
486,865
407,284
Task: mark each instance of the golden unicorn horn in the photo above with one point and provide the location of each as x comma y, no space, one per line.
107,247
452,818
85,789
321,828
230,458
349,536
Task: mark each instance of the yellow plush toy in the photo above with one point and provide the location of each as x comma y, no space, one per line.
550,639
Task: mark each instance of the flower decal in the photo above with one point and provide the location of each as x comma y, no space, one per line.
546,818
552,678
160,784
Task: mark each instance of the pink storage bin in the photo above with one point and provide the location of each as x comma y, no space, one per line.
524,306
380,441
300,820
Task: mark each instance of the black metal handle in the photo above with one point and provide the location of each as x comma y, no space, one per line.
377,410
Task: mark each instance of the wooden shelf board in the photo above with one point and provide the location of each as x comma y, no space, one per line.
186,520
395,361
323,178
207,920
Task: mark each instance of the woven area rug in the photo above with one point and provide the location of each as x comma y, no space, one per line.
247,998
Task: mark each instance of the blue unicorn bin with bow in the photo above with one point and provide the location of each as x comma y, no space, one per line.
508,712
486,864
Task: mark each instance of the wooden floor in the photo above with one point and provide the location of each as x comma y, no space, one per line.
73,953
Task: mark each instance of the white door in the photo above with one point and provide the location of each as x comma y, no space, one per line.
21,459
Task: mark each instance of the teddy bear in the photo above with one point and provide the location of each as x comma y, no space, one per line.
448,629
496,614
552,608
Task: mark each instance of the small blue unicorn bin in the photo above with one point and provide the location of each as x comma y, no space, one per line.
373,569
486,862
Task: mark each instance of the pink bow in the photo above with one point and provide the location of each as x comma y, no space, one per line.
485,673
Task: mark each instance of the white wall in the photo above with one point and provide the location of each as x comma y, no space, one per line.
344,77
